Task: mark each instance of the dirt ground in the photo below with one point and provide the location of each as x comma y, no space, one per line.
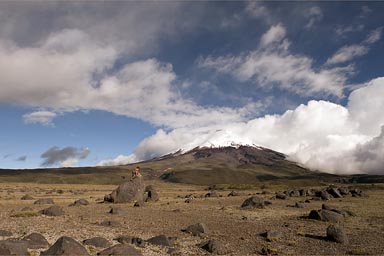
238,229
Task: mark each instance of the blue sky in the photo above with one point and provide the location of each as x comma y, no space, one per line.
103,83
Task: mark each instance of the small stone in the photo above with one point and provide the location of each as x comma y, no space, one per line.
44,201
27,197
53,211
160,240
336,234
197,229
254,202
121,249
213,246
271,235
80,202
99,242
110,223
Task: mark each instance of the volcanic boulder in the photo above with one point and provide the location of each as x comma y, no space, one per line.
121,249
254,202
131,191
66,246
36,241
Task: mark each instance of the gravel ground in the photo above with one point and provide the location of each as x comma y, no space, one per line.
237,229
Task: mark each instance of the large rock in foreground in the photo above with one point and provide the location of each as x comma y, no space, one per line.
131,191
66,246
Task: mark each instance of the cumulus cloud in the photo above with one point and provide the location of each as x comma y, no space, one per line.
142,89
65,157
42,117
275,65
321,135
314,14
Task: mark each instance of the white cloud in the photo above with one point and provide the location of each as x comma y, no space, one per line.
320,134
347,53
274,35
374,36
314,14
344,30
256,9
275,65
142,89
42,117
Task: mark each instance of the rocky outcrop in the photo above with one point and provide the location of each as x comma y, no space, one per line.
128,192
254,202
66,246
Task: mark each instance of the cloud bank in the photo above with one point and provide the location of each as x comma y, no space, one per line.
65,157
321,135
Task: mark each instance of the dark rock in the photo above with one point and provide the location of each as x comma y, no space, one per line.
98,241
66,246
294,193
326,207
253,202
137,241
343,212
5,233
214,246
326,215
114,210
271,235
189,200
334,192
36,241
234,193
281,196
54,210
138,204
336,234
212,194
174,251
44,201
80,202
128,192
121,249
197,229
110,223
14,247
152,196
27,197
324,195
299,205
344,191
160,240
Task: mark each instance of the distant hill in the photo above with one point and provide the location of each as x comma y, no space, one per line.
201,166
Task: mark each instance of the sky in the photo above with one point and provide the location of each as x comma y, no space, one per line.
85,83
